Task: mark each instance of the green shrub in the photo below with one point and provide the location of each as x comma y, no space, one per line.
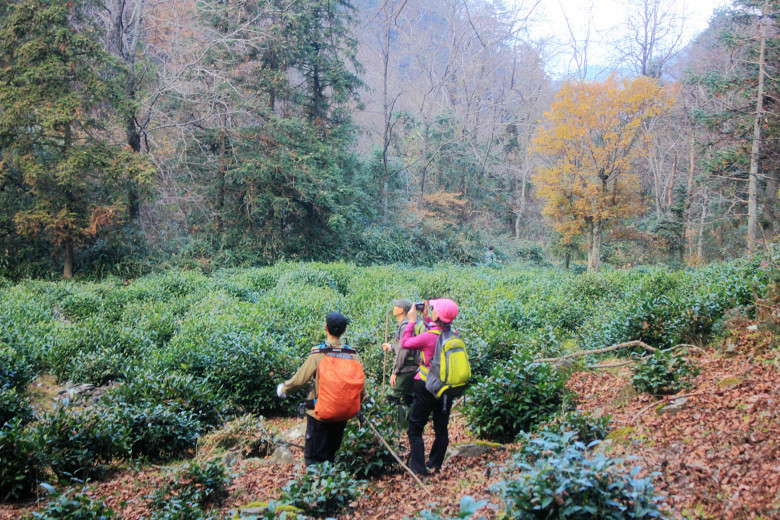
324,490
572,484
80,444
191,487
76,507
96,351
588,429
176,391
516,397
662,373
80,304
468,507
14,405
21,467
361,453
159,319
16,369
157,431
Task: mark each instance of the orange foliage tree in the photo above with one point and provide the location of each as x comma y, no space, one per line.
592,138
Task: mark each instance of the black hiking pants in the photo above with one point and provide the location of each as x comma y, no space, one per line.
323,440
425,404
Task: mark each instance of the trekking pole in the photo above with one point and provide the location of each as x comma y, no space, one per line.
394,454
384,361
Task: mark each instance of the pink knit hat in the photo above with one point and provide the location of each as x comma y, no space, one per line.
445,308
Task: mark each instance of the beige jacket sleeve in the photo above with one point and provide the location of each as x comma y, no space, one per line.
304,374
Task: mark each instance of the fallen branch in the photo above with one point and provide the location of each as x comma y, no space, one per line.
635,343
667,398
612,365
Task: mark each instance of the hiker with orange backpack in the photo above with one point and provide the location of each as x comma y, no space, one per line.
440,379
336,394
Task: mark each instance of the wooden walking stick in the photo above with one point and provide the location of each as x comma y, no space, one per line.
384,361
394,454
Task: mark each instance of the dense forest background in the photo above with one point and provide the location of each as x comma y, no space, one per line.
143,134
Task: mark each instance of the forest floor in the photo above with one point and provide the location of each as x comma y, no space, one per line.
717,454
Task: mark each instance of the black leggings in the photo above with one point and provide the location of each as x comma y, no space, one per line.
425,404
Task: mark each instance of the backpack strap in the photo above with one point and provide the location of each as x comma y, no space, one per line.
327,349
422,354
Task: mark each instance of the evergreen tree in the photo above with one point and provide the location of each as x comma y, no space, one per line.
740,120
274,159
55,101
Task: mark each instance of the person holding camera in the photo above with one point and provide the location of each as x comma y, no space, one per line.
442,312
405,362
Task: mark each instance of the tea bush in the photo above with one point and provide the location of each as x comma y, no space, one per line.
14,405
516,397
324,490
570,483
21,467
468,507
361,453
178,392
663,373
76,507
588,429
190,488
96,351
80,444
16,369
156,431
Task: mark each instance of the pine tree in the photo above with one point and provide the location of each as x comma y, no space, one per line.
744,123
274,159
55,101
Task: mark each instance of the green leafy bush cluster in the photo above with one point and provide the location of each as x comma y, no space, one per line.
157,431
79,444
14,405
21,464
516,397
190,489
468,508
73,507
588,429
557,477
324,490
175,391
361,453
663,373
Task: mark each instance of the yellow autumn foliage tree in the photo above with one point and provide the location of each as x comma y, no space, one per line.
591,140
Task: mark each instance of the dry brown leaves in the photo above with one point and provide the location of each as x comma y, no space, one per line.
717,457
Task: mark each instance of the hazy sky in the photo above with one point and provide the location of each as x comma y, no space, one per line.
607,15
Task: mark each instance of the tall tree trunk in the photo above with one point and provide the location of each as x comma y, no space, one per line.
385,205
752,231
702,221
67,272
689,198
593,231
424,171
520,213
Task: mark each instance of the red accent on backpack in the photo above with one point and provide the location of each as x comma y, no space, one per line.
340,387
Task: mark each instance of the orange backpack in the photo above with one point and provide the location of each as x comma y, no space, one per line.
341,381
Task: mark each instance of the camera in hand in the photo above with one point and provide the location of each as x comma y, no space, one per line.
419,306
